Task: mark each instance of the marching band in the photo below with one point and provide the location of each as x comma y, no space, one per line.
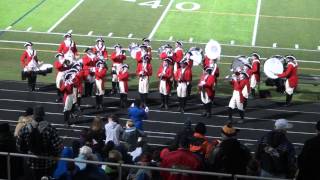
175,72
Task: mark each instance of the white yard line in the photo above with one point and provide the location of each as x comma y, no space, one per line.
66,15
159,40
256,22
160,19
55,44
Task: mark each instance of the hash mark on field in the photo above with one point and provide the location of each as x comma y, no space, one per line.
170,38
90,33
110,34
319,48
64,16
232,42
191,39
296,46
130,35
29,28
70,31
274,45
9,27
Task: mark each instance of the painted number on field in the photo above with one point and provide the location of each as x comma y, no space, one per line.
153,4
188,6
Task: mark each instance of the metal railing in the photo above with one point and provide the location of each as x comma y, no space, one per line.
120,167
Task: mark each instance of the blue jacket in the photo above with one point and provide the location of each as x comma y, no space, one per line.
137,114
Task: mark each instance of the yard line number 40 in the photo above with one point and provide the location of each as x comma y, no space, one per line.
191,6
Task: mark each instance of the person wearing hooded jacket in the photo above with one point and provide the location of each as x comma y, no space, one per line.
113,130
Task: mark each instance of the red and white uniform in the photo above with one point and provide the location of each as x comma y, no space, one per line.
100,50
237,98
206,85
68,48
123,78
117,60
164,74
100,74
291,73
140,55
144,70
89,64
246,88
183,76
66,87
60,68
255,70
210,63
29,60
77,88
177,57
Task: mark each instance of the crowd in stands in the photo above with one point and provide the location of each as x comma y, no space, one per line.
190,150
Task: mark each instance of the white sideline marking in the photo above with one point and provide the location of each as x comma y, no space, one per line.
256,22
159,40
55,44
191,39
29,29
296,46
9,27
274,45
170,39
110,34
63,17
232,42
90,33
160,20
130,35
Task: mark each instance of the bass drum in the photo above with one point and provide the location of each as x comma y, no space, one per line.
197,56
44,69
273,66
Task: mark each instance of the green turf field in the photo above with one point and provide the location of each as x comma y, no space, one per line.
286,24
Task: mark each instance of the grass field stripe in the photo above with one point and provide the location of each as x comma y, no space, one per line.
65,16
110,34
160,19
90,33
158,40
55,44
9,27
130,35
29,29
256,23
168,122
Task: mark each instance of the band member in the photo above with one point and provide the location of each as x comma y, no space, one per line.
77,88
61,65
255,70
100,49
144,71
146,42
246,89
183,77
205,86
142,53
89,61
117,57
165,75
66,87
177,55
167,52
237,99
100,74
123,78
189,66
212,63
29,65
68,47
291,76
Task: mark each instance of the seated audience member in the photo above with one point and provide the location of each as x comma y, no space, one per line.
143,174
276,153
62,166
84,153
24,120
96,135
187,131
112,172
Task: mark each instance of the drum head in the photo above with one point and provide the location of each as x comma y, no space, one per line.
272,67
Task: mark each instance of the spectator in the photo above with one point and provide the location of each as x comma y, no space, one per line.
141,174
114,156
230,156
75,148
96,135
182,159
113,130
186,132
62,166
276,153
137,114
309,158
91,171
39,138
23,120
130,135
7,144
85,152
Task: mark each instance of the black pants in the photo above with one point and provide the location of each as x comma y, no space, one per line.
32,80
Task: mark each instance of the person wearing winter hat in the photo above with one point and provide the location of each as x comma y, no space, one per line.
23,120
